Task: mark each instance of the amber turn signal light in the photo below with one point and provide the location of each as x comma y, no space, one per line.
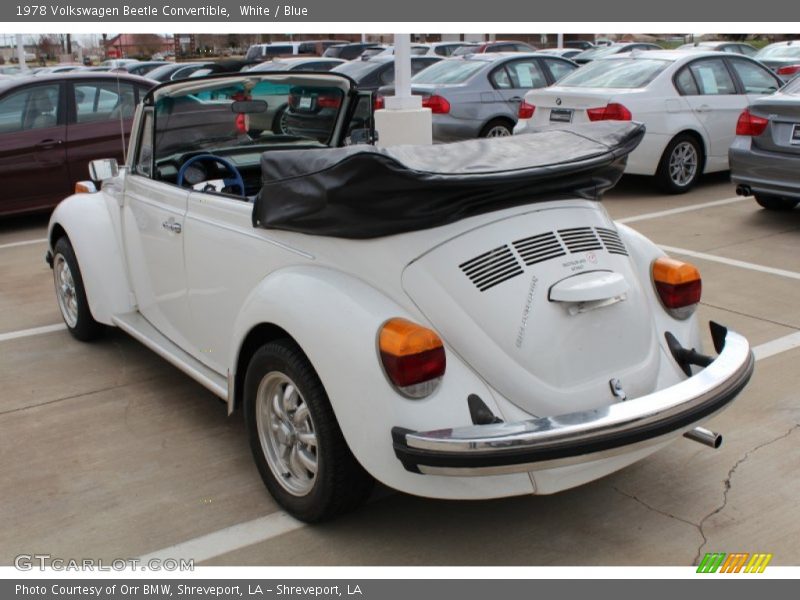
413,357
678,285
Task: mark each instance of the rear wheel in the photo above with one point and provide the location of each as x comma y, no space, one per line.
71,295
497,128
681,165
279,123
298,447
775,202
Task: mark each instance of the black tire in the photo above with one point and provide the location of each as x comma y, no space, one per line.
77,317
775,202
340,484
278,124
496,125
676,180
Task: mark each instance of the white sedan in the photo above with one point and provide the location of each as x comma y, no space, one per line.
689,102
414,315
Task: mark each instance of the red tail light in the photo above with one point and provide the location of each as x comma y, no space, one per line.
379,103
329,101
437,104
611,112
413,357
241,123
678,285
526,110
788,70
750,124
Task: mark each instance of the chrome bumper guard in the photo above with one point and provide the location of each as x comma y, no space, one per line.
582,436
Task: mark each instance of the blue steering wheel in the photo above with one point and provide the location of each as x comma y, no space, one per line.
236,180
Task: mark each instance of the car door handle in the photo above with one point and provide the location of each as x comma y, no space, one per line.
172,225
515,99
704,108
48,144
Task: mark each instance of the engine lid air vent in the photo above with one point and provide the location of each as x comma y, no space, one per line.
538,248
612,241
492,268
580,239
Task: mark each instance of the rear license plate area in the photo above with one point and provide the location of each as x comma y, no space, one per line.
561,115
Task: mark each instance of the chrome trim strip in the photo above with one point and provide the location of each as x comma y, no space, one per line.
705,393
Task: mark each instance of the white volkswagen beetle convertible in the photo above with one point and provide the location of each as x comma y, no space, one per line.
455,321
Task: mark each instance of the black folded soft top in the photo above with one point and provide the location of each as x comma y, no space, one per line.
366,192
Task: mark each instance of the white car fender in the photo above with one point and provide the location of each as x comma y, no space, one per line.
335,319
94,235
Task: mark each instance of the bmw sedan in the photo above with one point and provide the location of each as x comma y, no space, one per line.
688,100
371,74
782,57
479,95
765,156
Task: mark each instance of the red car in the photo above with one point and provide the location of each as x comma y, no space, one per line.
52,126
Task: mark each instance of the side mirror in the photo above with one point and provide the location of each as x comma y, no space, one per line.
102,169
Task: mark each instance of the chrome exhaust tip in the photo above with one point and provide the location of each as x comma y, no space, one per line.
704,436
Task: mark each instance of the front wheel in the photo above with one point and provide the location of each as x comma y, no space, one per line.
681,165
775,202
298,447
71,295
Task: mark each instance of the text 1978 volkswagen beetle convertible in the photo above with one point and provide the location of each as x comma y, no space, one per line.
456,321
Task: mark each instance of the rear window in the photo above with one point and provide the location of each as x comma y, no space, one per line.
793,87
616,73
780,52
449,71
357,69
279,50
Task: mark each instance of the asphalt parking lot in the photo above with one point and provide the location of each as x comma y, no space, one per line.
106,451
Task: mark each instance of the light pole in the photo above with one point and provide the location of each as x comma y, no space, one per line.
404,120
23,66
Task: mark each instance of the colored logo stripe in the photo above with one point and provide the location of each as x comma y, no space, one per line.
734,563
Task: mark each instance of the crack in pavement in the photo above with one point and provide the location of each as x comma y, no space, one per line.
727,486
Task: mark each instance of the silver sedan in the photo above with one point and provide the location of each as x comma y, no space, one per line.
765,156
479,95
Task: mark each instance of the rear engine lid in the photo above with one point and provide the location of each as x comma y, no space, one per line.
545,306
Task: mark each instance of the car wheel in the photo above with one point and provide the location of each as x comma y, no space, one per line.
497,128
279,123
681,165
775,202
298,447
71,295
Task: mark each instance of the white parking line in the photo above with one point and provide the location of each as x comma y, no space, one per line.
230,539
23,243
265,528
679,210
732,262
23,333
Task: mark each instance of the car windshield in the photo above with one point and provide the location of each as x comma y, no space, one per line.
227,114
163,71
449,71
792,51
626,73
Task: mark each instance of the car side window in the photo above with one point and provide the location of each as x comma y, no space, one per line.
558,68
754,78
103,101
144,159
34,107
526,74
686,84
500,79
712,77
420,65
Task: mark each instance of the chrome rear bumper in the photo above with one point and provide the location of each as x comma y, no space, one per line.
582,436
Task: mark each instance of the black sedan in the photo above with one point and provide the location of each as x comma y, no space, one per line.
378,71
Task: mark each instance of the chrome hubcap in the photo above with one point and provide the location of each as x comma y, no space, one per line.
683,164
286,432
65,291
498,131
283,122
